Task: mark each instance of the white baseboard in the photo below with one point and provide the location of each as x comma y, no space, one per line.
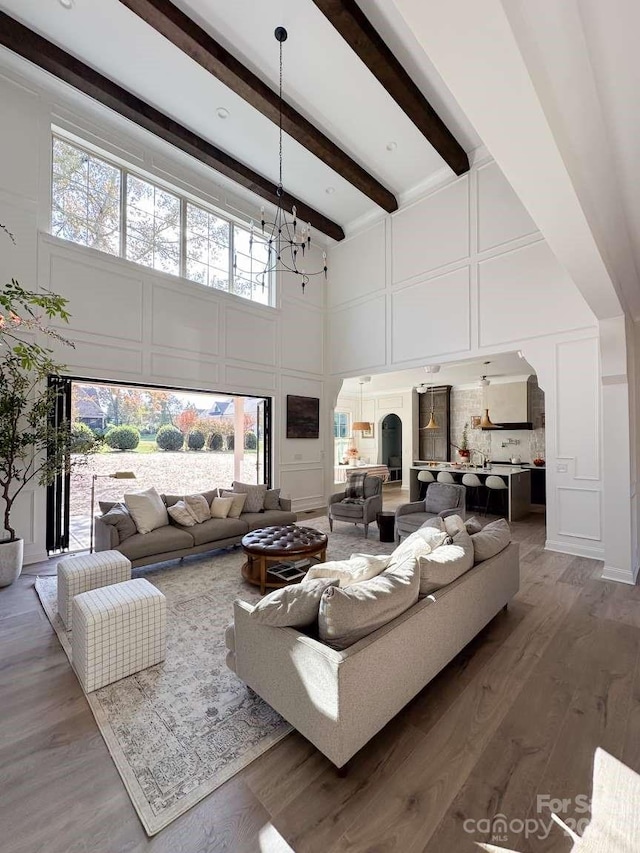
30,559
594,552
611,573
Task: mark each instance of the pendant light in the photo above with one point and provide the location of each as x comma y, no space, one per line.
432,421
362,426
485,420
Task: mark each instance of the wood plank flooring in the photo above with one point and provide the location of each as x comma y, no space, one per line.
517,714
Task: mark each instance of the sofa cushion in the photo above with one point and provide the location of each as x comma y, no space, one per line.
198,506
492,539
415,520
446,563
255,495
119,517
215,529
181,514
350,613
159,541
147,510
359,567
170,500
348,510
220,507
293,606
238,503
272,499
256,520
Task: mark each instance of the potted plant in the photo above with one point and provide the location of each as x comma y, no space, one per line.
463,450
30,450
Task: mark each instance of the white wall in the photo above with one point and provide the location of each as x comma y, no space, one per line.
466,273
133,324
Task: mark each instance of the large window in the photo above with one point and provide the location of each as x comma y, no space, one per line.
99,204
341,435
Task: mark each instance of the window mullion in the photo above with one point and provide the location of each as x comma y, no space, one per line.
183,237
232,250
123,214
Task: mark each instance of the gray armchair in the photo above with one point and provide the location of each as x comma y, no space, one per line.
363,513
442,499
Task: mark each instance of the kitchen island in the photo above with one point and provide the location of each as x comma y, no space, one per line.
518,482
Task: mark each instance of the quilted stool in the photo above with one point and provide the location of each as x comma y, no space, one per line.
117,630
79,574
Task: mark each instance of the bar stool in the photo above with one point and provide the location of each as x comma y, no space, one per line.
496,484
445,477
472,481
424,477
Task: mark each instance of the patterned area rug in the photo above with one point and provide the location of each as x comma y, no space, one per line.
178,730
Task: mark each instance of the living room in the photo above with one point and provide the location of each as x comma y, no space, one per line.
472,267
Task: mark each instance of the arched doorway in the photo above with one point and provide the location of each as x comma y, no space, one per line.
391,445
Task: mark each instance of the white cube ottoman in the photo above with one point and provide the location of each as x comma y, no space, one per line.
117,630
90,571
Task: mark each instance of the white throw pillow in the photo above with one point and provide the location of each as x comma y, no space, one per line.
293,606
237,505
346,615
180,513
420,543
453,524
198,507
446,563
492,539
220,507
147,510
359,567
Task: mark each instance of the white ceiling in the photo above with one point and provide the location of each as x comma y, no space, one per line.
323,79
503,367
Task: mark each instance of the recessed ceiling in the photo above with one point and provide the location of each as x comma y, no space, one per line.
323,79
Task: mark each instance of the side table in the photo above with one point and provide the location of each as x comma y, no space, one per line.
386,521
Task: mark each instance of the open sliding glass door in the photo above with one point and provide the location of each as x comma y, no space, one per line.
58,492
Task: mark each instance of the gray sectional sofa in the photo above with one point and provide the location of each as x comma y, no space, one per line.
174,541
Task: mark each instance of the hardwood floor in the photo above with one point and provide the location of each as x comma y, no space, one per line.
517,714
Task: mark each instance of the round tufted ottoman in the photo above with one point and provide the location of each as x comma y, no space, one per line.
273,545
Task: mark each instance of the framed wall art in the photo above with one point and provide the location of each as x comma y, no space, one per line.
303,417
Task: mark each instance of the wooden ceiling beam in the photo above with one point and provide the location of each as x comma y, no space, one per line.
48,56
361,36
190,38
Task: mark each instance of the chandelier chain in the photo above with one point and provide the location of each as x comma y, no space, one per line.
280,115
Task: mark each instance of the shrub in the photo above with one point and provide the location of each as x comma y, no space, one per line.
82,438
169,438
230,442
122,437
195,440
216,441
250,441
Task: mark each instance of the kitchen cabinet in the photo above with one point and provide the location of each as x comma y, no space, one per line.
538,486
433,444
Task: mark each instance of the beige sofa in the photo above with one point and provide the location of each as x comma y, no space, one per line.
174,541
327,695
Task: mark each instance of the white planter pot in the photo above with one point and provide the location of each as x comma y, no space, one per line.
11,554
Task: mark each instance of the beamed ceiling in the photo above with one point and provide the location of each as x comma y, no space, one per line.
368,122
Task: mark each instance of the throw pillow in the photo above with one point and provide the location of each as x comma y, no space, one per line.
198,507
346,615
293,606
237,505
472,525
453,524
255,495
118,516
147,510
272,499
446,563
425,539
492,539
220,507
359,567
181,514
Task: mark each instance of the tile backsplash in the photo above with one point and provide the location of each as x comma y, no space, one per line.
467,402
